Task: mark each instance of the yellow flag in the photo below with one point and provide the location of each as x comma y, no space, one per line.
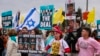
91,16
21,19
58,17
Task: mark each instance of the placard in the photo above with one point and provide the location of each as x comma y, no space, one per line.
98,29
29,43
69,9
7,19
46,13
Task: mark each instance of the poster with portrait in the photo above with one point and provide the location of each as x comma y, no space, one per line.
23,43
29,43
46,16
32,41
69,7
39,43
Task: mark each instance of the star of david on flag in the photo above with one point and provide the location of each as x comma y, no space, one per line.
31,20
30,23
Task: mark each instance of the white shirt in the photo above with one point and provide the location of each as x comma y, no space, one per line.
59,45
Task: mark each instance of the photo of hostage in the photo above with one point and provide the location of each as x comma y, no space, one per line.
33,47
20,40
25,46
20,47
32,40
25,40
39,43
70,9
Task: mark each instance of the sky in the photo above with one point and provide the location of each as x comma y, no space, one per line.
25,5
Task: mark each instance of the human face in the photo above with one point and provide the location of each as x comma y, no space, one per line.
24,31
77,25
33,32
56,35
71,23
84,33
70,9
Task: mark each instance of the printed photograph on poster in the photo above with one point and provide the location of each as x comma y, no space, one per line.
20,40
39,42
26,46
33,47
70,9
26,40
32,39
20,47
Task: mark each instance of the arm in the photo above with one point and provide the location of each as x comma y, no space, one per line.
96,46
77,46
49,46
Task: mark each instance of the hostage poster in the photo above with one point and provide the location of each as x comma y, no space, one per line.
69,8
28,43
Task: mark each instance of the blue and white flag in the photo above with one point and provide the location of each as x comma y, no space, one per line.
31,20
16,20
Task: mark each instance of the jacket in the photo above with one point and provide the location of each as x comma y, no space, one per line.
12,48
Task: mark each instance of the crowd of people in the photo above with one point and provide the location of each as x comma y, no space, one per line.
75,39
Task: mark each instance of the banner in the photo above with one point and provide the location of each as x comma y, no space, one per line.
30,43
7,19
46,15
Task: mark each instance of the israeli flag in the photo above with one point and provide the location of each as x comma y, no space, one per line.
31,20
16,20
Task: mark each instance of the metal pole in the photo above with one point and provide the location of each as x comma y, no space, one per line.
86,5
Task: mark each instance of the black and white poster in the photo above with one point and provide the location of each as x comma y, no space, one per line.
30,43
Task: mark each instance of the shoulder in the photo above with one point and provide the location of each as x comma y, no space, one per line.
92,39
80,38
62,40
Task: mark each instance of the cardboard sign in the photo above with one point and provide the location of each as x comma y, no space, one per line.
46,13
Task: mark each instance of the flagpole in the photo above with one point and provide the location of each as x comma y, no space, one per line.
86,5
86,8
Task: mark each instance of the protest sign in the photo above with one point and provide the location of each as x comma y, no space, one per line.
98,28
46,13
7,19
69,8
28,43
